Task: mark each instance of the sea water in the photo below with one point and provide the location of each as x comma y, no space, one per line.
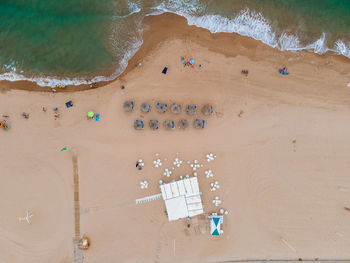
73,41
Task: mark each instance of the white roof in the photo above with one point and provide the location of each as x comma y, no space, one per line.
176,208
182,198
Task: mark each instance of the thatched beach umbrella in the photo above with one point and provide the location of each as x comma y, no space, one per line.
183,124
145,107
128,105
207,109
154,124
176,108
169,125
138,125
161,107
191,109
199,124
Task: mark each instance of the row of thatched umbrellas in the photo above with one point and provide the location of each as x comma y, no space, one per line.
169,124
174,108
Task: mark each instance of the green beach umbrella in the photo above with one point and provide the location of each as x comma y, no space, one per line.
91,114
63,149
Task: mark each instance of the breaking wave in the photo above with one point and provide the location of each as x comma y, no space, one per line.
246,23
53,82
251,24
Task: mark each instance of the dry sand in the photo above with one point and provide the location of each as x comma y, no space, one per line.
282,165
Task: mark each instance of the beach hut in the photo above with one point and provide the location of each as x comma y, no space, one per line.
138,125
169,124
215,224
191,109
145,107
176,108
161,107
183,124
154,124
199,124
207,109
128,105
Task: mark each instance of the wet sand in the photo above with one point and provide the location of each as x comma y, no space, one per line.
282,146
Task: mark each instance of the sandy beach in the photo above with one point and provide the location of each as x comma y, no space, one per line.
282,145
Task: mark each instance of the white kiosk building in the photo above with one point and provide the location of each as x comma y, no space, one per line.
182,198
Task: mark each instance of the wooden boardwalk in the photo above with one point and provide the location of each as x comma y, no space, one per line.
76,196
148,199
78,254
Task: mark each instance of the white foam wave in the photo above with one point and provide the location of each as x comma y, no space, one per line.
133,7
251,24
319,46
342,48
54,81
246,23
288,42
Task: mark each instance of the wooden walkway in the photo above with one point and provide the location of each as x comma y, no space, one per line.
76,196
148,199
78,253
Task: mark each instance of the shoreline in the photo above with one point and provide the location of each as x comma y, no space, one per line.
281,143
160,28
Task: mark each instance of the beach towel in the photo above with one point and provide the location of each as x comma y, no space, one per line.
69,104
97,117
165,70
349,84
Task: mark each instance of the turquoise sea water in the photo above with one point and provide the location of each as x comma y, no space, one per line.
68,42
